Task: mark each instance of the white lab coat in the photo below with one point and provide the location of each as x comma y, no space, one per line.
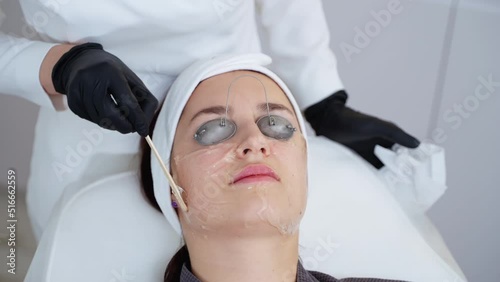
157,39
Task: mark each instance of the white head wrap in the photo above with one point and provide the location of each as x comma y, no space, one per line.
174,104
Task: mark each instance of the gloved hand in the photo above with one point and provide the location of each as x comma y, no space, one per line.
360,132
88,76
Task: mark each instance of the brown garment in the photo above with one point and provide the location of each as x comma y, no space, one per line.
302,276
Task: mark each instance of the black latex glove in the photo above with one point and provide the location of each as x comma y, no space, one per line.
88,76
360,132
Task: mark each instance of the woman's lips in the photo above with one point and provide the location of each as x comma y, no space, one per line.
255,173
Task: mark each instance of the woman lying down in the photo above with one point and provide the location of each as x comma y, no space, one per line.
236,146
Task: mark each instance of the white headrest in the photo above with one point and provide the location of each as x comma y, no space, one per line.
352,227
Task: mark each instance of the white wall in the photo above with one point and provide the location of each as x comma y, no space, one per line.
468,216
394,77
398,76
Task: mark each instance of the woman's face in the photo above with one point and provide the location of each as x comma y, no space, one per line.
249,183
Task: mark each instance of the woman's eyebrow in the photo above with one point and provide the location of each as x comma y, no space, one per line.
212,110
219,110
273,106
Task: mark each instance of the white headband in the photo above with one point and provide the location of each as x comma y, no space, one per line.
174,104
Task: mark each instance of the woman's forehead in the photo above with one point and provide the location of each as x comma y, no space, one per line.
235,84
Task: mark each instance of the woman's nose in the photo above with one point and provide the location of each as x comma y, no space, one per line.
253,143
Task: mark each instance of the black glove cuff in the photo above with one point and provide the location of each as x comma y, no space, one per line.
324,109
339,97
60,71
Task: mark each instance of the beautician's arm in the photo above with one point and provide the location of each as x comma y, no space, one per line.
53,55
40,72
298,39
20,62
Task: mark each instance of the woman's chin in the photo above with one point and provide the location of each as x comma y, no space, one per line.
262,210
255,219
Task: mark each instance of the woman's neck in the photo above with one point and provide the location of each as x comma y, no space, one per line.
219,259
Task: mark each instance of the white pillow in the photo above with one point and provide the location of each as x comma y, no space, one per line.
353,227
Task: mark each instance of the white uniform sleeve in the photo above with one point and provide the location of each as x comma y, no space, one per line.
297,37
20,61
